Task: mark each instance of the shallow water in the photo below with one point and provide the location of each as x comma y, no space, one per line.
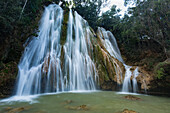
96,102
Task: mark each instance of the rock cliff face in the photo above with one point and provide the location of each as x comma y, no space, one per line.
110,69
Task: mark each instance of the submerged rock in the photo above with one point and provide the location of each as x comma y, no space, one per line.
128,111
131,97
67,102
8,108
16,110
81,107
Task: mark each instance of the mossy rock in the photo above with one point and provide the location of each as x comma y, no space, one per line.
161,80
64,27
105,64
7,78
162,70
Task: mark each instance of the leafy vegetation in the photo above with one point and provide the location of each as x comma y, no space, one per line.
143,33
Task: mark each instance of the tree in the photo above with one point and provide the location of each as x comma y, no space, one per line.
110,19
151,18
89,10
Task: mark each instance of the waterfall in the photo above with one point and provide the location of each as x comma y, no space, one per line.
48,66
111,46
53,62
78,64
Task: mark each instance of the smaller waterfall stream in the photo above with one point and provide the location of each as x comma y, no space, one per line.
135,85
110,44
127,81
127,86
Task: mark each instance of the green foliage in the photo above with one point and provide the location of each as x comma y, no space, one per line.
160,73
89,11
162,70
9,11
110,19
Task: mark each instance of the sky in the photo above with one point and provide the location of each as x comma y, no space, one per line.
118,3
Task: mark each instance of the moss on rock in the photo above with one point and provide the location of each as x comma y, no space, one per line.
64,27
7,79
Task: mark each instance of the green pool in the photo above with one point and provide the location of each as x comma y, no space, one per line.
87,102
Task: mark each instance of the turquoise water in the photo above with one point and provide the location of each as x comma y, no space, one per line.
94,102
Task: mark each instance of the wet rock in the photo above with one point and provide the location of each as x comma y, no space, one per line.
131,97
144,78
81,107
109,69
132,68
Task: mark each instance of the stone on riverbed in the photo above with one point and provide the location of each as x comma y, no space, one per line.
131,97
81,107
16,110
127,111
67,102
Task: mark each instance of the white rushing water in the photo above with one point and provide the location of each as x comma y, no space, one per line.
78,64
135,85
130,82
47,66
127,81
110,44
42,70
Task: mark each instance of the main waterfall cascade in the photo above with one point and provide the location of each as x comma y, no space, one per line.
111,46
78,64
49,66
41,69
